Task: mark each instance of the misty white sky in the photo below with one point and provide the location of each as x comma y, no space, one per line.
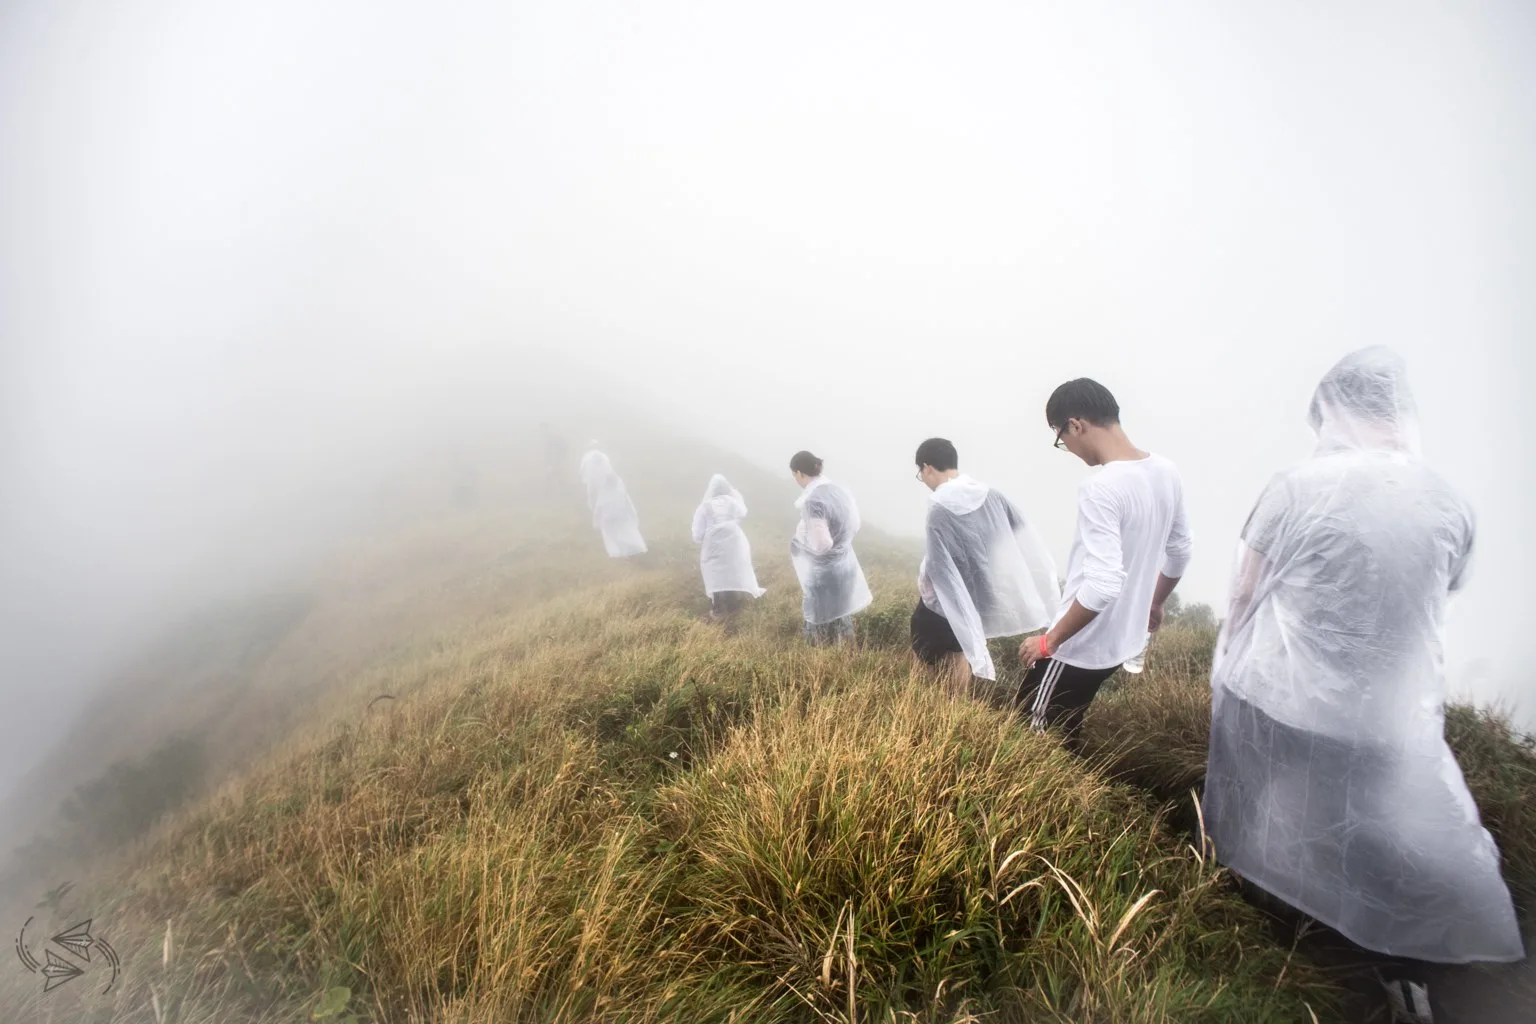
247,246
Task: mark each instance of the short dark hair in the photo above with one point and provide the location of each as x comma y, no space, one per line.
939,454
805,462
1082,399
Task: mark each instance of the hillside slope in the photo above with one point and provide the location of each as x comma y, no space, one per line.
241,675
582,802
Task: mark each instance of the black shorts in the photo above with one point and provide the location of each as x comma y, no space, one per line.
932,638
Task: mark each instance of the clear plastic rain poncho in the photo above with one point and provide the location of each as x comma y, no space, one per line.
612,511
822,552
984,569
1330,783
725,557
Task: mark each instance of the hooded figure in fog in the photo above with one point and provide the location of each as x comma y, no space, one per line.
1330,784
725,557
822,552
612,511
985,572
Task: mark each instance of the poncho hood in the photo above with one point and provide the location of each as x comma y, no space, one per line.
961,495
1364,404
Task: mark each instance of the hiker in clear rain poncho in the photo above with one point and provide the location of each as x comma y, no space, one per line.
822,552
985,572
725,557
1330,784
612,511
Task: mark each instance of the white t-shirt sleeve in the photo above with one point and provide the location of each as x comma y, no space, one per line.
818,536
1180,544
1098,523
1461,568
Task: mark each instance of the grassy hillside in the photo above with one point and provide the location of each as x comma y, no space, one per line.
582,802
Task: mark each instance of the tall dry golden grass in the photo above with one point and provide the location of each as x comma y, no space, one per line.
605,809
583,803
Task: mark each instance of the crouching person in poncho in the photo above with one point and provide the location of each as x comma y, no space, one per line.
1330,785
725,556
985,572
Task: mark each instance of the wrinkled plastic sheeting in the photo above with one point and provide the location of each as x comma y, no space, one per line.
725,555
1330,783
987,569
613,513
831,578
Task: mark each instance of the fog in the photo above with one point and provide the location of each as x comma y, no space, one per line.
252,252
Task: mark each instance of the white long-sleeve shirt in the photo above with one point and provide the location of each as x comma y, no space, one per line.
1131,525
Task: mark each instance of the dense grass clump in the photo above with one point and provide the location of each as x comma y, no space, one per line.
1153,728
1500,766
893,851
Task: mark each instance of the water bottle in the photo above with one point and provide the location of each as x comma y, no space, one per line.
1137,661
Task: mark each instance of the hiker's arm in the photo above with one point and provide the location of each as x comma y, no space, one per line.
1262,540
1252,567
818,536
1103,575
1072,623
1103,567
1165,585
1176,555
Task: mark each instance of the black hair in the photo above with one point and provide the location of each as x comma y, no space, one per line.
1082,399
805,462
938,453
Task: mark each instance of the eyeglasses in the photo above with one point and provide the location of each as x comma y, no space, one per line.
1061,445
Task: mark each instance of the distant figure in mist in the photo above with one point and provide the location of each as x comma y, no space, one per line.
1330,784
725,556
465,489
985,571
555,452
1131,546
612,511
822,553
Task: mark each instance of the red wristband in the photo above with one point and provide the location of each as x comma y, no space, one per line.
1044,646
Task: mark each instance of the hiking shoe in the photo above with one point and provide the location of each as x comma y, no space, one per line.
1409,1001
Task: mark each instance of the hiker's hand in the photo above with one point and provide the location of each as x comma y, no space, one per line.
1155,620
1029,653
